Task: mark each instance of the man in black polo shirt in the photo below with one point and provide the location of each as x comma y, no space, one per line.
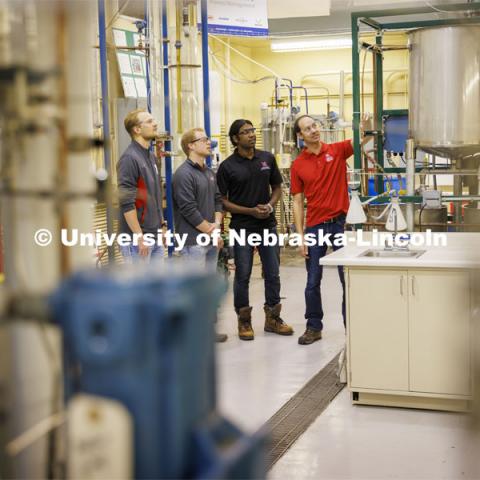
250,184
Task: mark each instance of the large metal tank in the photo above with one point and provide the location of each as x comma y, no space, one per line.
444,115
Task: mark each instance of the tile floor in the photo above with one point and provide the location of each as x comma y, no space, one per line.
346,442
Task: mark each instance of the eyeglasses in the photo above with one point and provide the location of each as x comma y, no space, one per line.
201,139
247,131
313,126
149,121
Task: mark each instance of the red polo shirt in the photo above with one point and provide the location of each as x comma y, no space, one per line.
322,179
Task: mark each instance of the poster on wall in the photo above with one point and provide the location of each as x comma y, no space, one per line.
244,18
131,63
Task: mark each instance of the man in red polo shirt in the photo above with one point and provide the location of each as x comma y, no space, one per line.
319,174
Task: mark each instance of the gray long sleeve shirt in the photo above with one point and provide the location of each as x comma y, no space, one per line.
195,198
139,188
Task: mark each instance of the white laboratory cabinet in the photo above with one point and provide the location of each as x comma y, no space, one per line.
409,337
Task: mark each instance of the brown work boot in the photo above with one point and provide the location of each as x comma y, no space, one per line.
310,336
245,330
273,322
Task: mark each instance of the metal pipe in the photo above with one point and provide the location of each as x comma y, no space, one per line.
206,81
457,191
410,174
178,69
290,94
62,159
147,56
228,94
168,143
348,73
106,119
306,97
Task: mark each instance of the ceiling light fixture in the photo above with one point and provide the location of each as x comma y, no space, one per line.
310,44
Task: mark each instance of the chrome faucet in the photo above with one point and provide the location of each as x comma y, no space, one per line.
394,246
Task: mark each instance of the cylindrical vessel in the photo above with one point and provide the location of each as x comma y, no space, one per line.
444,114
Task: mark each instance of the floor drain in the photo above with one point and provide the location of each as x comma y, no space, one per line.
288,423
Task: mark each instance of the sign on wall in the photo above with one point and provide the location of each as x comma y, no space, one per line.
132,64
238,17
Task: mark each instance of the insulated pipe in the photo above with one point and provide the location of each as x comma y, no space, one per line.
79,180
168,143
206,84
106,120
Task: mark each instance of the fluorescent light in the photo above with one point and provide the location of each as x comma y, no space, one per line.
309,44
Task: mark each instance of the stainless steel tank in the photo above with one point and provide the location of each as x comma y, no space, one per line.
444,115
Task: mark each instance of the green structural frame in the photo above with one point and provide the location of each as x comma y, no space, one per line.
372,19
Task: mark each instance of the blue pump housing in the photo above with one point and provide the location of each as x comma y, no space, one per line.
148,342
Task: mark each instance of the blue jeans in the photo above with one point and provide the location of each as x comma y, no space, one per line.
206,256
313,296
130,254
270,257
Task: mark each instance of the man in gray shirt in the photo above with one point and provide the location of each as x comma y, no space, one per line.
139,187
197,203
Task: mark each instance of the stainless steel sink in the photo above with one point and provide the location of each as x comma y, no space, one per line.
392,253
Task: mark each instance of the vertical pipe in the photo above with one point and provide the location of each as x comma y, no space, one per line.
458,192
147,55
434,159
206,83
106,121
228,85
356,95
178,69
306,100
62,162
168,143
410,171
378,99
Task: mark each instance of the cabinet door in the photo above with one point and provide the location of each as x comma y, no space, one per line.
378,329
439,331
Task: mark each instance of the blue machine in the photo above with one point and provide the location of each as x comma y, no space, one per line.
147,341
396,132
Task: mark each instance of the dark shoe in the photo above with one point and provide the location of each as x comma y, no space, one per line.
221,337
245,330
273,322
310,336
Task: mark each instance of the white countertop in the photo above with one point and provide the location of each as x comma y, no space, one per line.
462,251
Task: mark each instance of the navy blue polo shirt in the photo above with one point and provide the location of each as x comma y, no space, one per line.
247,182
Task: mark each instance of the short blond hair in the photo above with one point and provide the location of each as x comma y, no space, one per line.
189,137
131,120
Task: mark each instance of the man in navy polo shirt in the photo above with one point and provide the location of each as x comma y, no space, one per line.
250,184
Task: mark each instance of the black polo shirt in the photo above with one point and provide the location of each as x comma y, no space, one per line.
247,182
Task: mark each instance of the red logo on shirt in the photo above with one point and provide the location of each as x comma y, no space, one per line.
264,166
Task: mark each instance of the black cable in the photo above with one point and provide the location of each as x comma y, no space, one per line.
420,217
